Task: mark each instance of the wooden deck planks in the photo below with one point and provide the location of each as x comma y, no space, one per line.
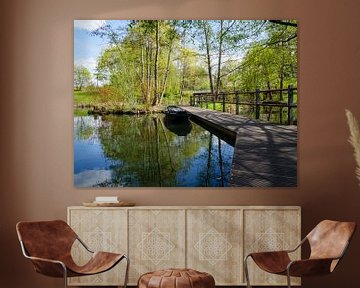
265,155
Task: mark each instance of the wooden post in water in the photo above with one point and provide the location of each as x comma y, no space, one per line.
223,102
257,104
290,103
237,103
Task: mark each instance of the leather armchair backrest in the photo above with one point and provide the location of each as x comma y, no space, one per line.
329,239
47,239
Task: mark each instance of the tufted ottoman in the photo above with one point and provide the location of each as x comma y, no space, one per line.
176,278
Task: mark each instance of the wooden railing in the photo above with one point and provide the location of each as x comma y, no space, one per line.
255,99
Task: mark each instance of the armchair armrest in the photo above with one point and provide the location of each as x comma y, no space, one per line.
83,244
49,267
314,266
298,246
280,252
309,267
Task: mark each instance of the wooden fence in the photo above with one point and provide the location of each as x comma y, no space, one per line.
255,99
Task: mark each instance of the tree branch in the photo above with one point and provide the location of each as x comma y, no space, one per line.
282,41
283,23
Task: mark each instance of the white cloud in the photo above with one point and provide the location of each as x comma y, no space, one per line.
89,25
89,63
91,178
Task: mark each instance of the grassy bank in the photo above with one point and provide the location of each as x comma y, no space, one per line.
86,98
96,103
89,103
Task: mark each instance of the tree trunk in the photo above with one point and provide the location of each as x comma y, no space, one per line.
282,73
270,98
166,73
150,72
156,64
183,67
207,44
143,87
219,58
182,83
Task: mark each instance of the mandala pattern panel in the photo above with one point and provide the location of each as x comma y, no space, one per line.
157,241
270,230
101,230
214,244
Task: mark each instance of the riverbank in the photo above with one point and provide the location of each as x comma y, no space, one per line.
95,104
109,110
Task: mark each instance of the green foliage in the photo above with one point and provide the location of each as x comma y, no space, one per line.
161,62
82,77
86,97
80,112
268,63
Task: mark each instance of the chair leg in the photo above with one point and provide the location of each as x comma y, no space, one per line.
246,270
288,278
65,276
127,271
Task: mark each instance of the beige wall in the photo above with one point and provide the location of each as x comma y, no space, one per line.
36,176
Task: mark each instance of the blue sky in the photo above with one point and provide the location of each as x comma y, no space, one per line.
87,48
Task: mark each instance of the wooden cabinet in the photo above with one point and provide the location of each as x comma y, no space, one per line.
211,239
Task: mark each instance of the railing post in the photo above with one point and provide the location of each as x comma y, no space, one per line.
214,103
201,100
237,103
223,102
206,101
290,104
257,104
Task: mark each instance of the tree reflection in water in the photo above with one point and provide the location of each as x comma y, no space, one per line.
148,151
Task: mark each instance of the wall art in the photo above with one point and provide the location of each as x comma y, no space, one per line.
185,103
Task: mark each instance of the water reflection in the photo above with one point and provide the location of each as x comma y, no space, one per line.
147,151
180,127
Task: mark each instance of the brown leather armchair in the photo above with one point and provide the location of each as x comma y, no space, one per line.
328,242
48,245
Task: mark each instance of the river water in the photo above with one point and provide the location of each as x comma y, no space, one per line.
148,151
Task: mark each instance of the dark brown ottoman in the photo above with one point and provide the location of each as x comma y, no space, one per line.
176,278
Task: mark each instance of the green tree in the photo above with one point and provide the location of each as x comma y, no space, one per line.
155,62
141,58
82,77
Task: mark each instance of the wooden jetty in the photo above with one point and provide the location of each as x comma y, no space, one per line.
265,155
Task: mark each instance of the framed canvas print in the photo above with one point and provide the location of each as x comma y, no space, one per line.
185,103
